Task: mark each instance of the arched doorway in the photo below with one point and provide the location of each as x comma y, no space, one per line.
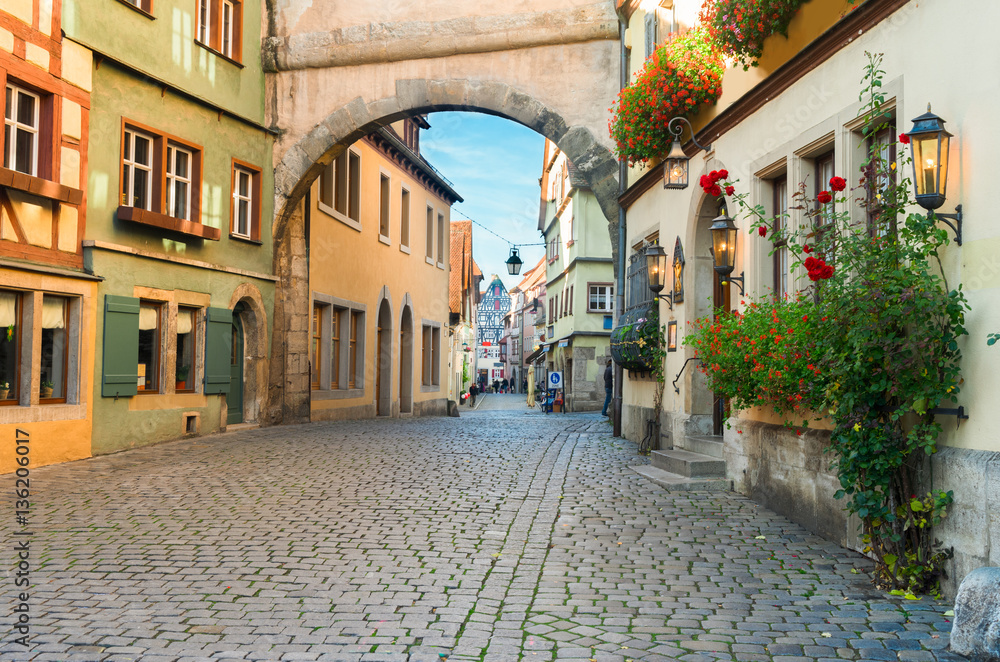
383,361
406,361
234,400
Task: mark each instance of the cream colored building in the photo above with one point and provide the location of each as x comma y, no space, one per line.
379,252
796,118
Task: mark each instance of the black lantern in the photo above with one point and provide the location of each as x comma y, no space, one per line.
514,263
929,142
724,249
656,272
675,166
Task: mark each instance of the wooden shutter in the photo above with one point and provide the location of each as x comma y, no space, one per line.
120,370
218,350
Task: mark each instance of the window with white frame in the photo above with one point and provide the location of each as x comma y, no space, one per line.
404,218
137,170
430,234
383,207
178,182
21,130
600,298
220,26
780,257
442,237
243,202
340,189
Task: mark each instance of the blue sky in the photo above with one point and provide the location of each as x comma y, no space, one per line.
494,164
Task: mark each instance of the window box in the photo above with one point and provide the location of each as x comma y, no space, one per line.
155,219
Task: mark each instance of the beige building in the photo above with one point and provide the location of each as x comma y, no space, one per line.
379,251
795,119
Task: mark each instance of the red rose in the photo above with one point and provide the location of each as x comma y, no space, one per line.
826,271
806,248
813,276
824,197
705,181
730,190
905,139
812,263
838,183
715,190
714,175
723,174
762,231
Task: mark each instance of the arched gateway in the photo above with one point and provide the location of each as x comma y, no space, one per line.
338,71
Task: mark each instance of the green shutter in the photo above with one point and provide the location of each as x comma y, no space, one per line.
218,350
120,371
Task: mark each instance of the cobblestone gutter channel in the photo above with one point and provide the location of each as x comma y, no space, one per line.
499,536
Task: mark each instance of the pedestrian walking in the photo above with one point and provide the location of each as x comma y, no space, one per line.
504,385
609,383
531,386
496,385
473,391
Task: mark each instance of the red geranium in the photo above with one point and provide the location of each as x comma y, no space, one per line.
824,197
838,183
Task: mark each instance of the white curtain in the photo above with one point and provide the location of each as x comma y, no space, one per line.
53,313
8,309
147,318
185,321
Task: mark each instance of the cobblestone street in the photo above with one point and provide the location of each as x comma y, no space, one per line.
504,534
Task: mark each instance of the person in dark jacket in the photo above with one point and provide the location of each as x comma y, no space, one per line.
609,383
473,391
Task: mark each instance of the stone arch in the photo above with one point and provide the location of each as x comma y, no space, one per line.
303,161
255,369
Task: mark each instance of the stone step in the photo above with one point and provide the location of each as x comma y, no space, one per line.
688,464
706,445
677,483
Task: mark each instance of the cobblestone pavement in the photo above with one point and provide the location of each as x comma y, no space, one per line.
501,535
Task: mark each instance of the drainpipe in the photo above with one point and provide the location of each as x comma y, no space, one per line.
622,250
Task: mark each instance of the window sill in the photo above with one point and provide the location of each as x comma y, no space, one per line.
429,260
440,265
246,240
219,53
138,9
343,218
43,188
433,388
404,249
157,220
337,393
382,239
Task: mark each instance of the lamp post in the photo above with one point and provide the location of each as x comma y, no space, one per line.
929,142
675,166
724,249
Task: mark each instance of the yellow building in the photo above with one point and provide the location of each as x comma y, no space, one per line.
379,226
47,300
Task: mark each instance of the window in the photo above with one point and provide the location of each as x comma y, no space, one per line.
137,170
144,5
245,222
442,237
335,348
436,356
340,189
571,299
10,337
186,341
601,298
220,27
823,167
404,219
317,344
430,374
383,208
178,182
21,130
149,346
425,344
430,235
780,257
880,175
352,354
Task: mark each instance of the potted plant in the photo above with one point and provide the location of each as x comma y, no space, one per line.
4,389
45,390
182,375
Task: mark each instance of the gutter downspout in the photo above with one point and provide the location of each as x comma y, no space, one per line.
616,403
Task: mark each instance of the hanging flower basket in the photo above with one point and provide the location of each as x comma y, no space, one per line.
631,346
739,27
678,79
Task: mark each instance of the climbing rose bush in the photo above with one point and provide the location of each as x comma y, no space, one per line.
739,27
681,76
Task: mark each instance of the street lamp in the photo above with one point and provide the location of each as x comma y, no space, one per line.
929,142
675,166
724,249
656,268
514,263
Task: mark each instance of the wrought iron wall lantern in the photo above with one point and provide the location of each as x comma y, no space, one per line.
724,250
675,166
656,268
929,142
514,263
